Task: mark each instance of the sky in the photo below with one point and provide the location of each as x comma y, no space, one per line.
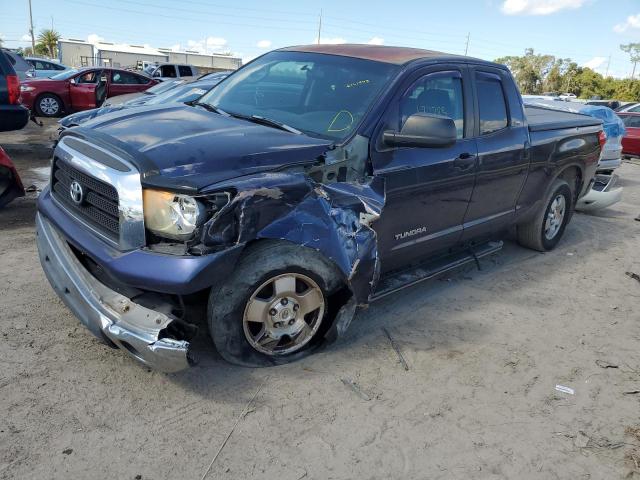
587,31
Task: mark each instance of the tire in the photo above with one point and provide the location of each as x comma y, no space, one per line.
258,288
48,105
538,234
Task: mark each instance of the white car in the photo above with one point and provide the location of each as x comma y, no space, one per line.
164,71
45,68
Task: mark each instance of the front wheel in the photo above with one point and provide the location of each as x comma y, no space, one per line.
273,308
48,105
544,231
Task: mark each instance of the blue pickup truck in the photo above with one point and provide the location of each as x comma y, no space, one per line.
306,185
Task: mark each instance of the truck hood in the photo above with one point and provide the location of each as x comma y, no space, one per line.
184,147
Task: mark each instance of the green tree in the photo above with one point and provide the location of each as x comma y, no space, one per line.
529,70
48,39
633,49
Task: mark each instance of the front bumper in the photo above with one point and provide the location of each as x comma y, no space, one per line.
110,316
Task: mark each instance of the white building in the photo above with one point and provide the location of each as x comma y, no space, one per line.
79,53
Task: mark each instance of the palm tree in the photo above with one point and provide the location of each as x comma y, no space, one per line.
48,38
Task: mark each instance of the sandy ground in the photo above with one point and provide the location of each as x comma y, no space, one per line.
485,350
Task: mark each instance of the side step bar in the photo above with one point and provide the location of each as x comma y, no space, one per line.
407,278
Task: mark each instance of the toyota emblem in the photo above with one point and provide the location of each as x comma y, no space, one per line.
76,193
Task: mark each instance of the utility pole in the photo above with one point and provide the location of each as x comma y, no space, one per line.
33,38
466,48
608,63
320,27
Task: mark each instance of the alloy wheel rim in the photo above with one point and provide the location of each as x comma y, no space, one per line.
555,217
283,314
49,106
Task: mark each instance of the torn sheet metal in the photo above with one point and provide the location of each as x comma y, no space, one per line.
333,218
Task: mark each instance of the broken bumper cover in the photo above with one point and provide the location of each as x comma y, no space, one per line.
602,194
110,316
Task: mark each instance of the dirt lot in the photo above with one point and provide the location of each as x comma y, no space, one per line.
485,350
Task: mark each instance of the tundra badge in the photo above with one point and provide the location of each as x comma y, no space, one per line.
411,233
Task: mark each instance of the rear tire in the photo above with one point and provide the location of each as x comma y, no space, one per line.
543,232
255,321
48,105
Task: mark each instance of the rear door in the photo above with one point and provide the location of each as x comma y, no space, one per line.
502,140
427,189
122,82
82,90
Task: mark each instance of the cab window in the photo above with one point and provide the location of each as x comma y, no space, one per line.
438,93
491,103
168,71
185,71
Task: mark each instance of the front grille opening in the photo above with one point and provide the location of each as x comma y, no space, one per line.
99,203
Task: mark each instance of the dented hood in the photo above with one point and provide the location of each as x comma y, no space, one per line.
187,147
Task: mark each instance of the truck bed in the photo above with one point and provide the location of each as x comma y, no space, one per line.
542,119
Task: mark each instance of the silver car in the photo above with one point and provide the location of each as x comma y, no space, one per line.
45,68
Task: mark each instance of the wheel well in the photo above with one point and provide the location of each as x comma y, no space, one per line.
339,292
573,176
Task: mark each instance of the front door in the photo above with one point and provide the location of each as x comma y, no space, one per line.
427,189
82,90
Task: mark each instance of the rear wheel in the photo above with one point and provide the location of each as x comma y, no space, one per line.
544,231
272,309
48,105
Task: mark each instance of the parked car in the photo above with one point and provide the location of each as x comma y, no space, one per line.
157,89
187,92
631,140
164,71
632,107
215,75
612,104
23,69
45,68
80,89
13,116
311,182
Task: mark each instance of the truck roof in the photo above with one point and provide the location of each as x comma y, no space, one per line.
381,53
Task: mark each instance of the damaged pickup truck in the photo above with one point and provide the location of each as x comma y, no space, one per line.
309,183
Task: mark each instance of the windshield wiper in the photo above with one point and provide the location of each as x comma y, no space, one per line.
268,122
209,107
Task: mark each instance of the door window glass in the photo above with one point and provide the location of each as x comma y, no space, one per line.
631,121
185,71
88,77
493,109
437,94
124,78
168,71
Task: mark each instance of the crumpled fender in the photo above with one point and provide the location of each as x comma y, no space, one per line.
333,218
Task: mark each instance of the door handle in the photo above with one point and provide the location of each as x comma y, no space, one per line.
465,161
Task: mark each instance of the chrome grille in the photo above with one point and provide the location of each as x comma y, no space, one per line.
100,204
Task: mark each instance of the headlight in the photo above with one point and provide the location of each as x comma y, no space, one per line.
26,88
171,215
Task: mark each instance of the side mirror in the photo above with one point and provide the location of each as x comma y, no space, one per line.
423,130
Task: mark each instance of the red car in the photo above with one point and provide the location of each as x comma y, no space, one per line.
81,89
631,139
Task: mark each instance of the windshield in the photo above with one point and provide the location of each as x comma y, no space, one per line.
322,95
163,87
183,93
64,75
